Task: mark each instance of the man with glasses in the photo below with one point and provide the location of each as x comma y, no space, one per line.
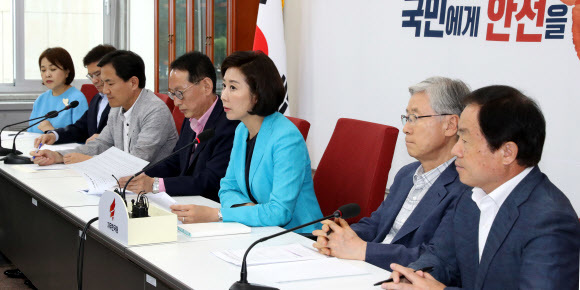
422,193
198,170
88,127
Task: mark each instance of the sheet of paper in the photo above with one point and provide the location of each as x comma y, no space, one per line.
99,170
270,255
33,168
199,230
58,147
9,135
306,270
87,192
162,199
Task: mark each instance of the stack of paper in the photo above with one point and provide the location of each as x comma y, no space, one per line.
288,263
99,170
306,270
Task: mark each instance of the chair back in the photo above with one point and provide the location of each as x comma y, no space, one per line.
165,98
89,90
302,125
355,166
178,118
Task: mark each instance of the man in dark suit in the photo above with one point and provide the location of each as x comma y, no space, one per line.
422,193
197,171
90,125
516,230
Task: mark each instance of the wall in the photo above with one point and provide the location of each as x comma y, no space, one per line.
353,59
141,35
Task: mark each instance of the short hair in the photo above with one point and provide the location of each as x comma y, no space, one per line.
506,115
61,59
445,94
262,77
198,65
95,54
127,64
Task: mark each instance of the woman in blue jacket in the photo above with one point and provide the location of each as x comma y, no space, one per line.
268,181
57,71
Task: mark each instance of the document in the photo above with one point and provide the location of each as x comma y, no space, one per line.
99,170
162,199
33,168
213,229
270,255
306,270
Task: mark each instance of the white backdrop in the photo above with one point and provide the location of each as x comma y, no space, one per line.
354,59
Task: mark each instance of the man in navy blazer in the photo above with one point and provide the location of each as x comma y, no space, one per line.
516,230
198,170
92,122
422,193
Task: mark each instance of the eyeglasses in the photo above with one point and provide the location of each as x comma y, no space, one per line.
412,118
179,94
94,75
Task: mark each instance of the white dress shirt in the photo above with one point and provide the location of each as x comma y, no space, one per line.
126,117
489,205
421,183
103,102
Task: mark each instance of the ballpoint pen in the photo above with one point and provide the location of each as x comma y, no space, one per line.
426,270
39,145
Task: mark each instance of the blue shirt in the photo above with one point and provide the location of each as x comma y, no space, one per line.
46,102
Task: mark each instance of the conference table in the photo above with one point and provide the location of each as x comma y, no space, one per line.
42,214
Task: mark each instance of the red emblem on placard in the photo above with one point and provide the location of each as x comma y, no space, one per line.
112,210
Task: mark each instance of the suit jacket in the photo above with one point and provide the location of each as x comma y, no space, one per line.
533,242
419,228
86,126
152,137
280,178
210,159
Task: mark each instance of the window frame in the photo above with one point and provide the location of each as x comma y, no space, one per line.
241,24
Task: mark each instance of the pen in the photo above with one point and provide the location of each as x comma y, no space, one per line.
426,270
39,145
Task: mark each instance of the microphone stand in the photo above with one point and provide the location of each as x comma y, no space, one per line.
12,157
6,151
203,136
243,283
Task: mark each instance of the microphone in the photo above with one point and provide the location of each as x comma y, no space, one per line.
5,151
12,157
346,211
202,137
72,104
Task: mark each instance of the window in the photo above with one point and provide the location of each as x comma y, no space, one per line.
214,27
6,71
28,27
49,23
